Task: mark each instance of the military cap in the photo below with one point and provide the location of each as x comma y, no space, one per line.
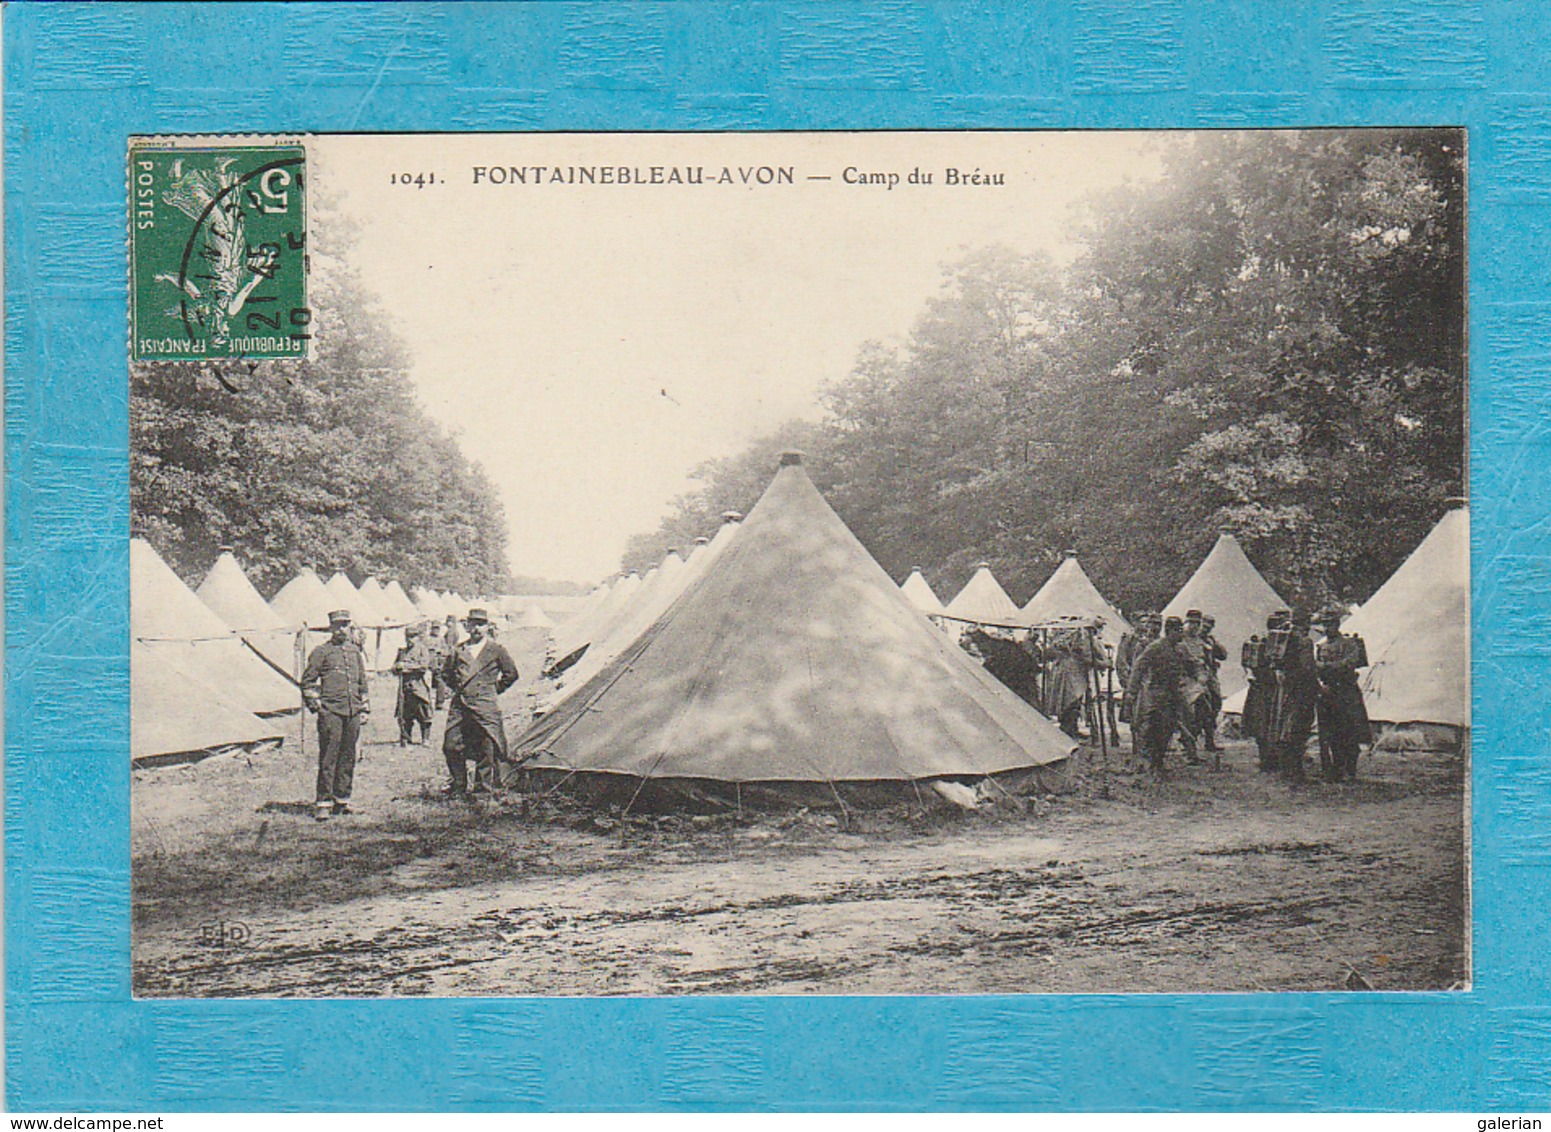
339,617
1173,622
478,617
1332,613
1192,615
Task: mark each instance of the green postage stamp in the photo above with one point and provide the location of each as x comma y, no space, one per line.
218,250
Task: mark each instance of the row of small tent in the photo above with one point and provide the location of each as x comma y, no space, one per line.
1416,627
779,654
216,667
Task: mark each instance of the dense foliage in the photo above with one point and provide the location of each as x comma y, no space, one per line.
1269,341
329,463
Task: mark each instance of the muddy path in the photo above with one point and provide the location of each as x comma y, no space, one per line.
1215,880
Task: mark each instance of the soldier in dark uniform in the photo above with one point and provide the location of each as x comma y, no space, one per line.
1299,699
334,687
1131,646
1012,662
413,666
1156,692
437,646
477,671
1211,703
1261,698
1193,650
1343,718
1071,655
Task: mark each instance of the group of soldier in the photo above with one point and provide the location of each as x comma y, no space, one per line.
437,667
1172,687
1168,670
1296,683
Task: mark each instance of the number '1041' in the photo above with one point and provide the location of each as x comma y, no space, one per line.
418,180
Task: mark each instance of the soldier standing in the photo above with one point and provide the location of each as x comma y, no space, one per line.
478,671
1192,651
1156,692
334,687
1260,700
1299,698
1131,647
438,648
413,668
1343,718
1073,654
1211,704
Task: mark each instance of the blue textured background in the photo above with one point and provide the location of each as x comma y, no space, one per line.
80,79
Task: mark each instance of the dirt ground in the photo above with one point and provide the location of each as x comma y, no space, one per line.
1210,880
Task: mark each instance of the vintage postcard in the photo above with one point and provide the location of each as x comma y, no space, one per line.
801,563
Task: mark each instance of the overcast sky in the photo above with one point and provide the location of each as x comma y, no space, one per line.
592,344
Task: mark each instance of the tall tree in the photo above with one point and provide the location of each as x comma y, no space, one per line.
1269,340
329,463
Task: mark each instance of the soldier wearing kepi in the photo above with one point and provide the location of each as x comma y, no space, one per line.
1299,698
334,687
413,668
477,671
1343,719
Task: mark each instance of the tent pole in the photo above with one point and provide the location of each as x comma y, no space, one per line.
1098,713
299,652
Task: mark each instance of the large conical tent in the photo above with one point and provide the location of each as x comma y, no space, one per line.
232,598
794,659
303,602
178,715
1069,593
165,615
920,593
1228,587
982,600
1416,629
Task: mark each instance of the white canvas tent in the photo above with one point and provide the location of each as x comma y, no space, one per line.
178,715
1416,628
982,601
344,595
793,664
303,602
383,623
1228,587
166,616
920,593
1070,593
397,601
232,598
658,590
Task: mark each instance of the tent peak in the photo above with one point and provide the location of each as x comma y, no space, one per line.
791,459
